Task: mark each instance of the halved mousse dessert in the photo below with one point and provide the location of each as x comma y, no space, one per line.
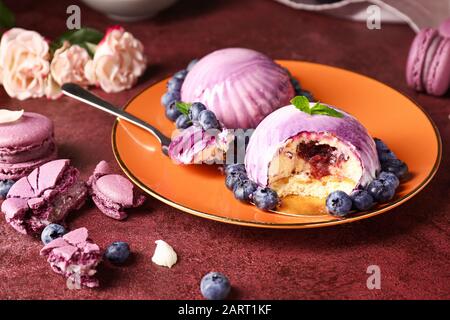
311,150
241,86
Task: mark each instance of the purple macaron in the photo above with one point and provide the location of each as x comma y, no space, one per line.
45,196
113,193
25,144
428,66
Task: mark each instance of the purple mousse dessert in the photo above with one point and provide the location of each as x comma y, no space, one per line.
75,257
45,196
241,86
195,145
113,193
296,153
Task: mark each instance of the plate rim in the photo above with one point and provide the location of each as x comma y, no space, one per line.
209,216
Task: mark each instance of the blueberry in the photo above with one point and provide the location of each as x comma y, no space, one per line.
339,203
215,286
389,176
180,74
174,85
117,252
183,121
169,97
308,95
233,178
397,167
265,198
234,168
172,111
208,120
191,64
380,145
5,185
244,189
296,84
386,156
381,190
195,110
362,200
51,232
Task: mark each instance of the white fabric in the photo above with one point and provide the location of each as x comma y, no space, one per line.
417,14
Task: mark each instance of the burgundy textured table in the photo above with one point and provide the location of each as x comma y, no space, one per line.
410,243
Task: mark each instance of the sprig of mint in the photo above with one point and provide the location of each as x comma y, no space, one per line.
302,104
7,19
87,38
183,107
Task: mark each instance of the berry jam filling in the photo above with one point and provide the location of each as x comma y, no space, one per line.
319,157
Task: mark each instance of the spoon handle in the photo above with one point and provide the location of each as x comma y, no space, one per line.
75,91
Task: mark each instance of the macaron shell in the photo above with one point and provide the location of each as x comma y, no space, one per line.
49,174
30,129
437,79
16,171
416,58
117,188
444,28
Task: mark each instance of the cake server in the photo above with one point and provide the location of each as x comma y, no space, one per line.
75,91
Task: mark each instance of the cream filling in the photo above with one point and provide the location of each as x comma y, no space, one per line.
290,174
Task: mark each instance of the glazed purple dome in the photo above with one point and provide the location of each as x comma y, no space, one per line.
241,86
288,122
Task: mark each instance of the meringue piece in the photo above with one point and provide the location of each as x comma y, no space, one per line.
7,116
164,254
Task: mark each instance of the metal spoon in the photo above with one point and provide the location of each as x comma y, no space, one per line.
75,91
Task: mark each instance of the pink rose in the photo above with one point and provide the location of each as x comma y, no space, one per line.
24,57
118,61
68,65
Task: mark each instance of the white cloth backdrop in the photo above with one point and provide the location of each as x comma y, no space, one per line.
417,13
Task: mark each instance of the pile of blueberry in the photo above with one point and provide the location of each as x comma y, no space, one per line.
197,113
298,88
248,191
380,190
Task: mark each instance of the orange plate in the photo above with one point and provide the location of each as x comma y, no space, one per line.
200,189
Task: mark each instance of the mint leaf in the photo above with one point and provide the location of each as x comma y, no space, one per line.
183,107
322,109
7,19
86,38
301,103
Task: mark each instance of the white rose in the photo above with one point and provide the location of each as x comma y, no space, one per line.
68,65
24,57
118,61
